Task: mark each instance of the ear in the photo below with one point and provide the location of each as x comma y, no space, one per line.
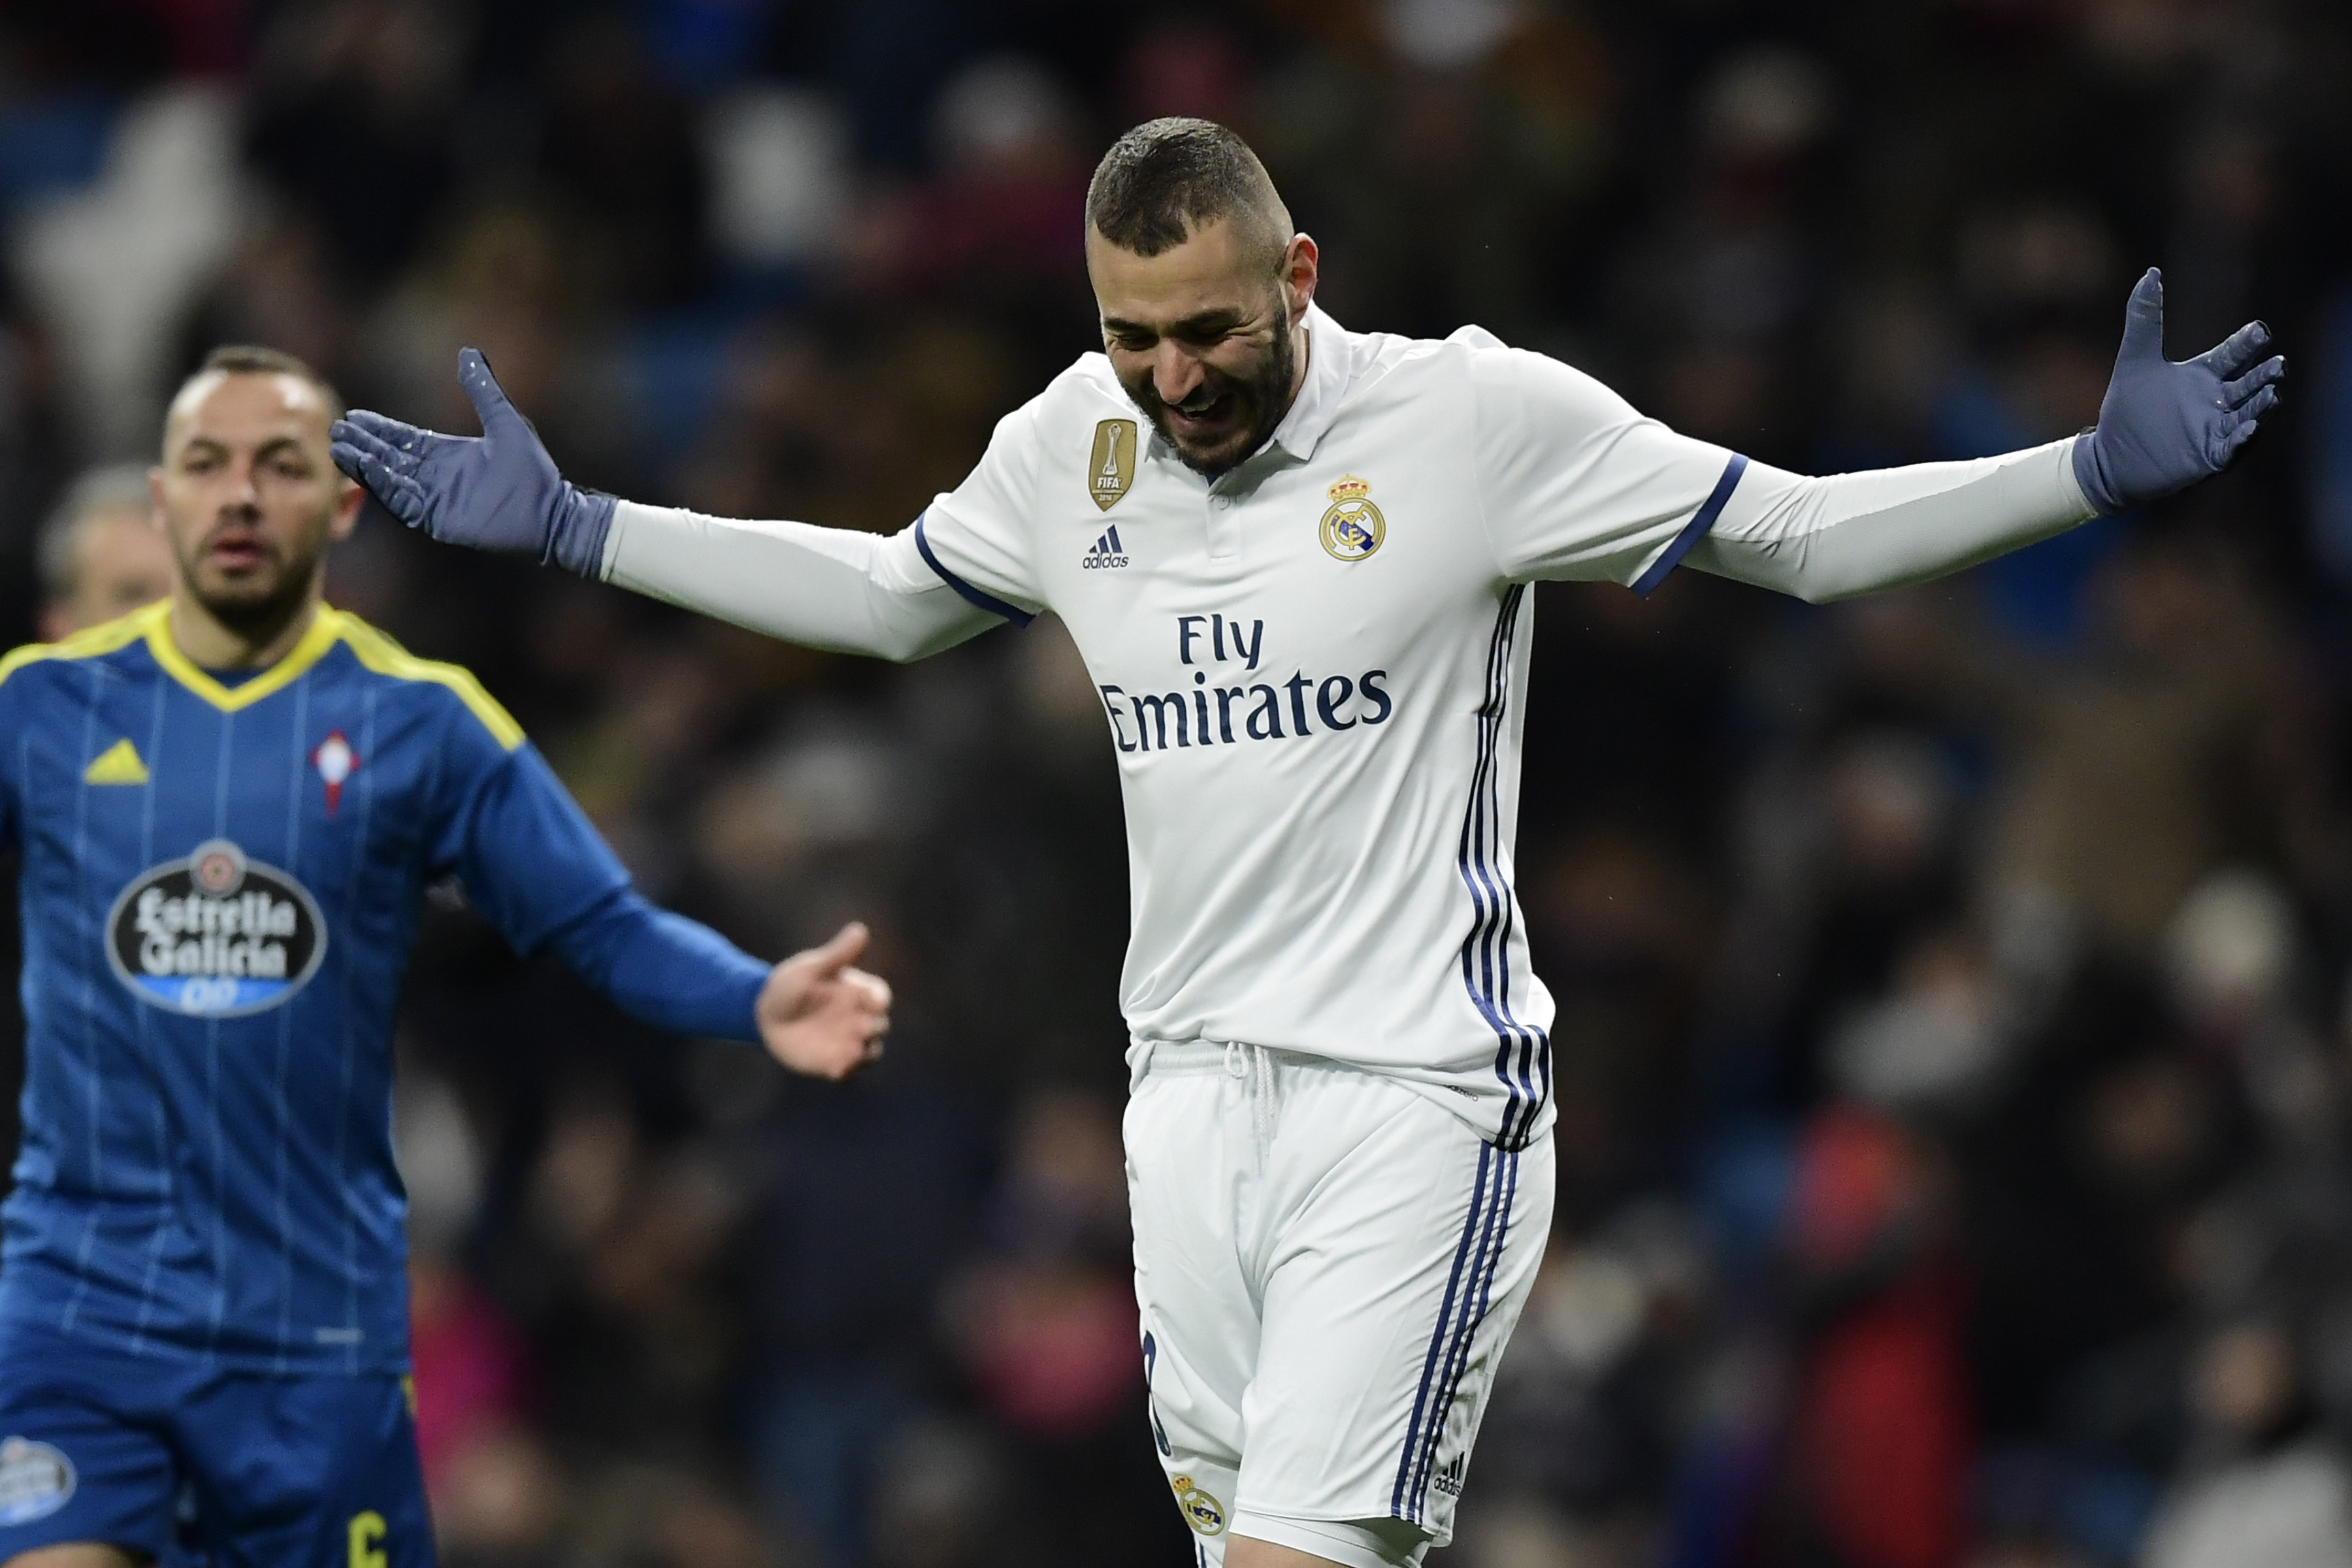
1300,264
155,497
349,498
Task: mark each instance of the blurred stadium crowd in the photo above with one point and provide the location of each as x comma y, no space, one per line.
1955,1125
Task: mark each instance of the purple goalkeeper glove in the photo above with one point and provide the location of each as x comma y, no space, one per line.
2163,426
497,491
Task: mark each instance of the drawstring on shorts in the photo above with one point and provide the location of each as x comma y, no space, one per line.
1255,1063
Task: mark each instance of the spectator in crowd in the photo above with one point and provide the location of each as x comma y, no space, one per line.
101,553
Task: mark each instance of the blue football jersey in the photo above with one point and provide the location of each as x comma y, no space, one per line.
221,887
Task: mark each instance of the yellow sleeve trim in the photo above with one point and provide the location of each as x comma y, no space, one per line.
379,653
91,642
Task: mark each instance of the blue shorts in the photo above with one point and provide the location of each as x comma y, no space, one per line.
187,1466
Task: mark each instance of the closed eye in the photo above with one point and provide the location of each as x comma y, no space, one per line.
1203,330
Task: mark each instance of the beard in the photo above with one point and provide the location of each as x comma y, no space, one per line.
260,600
1254,402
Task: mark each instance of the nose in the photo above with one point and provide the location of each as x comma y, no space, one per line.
1174,373
243,495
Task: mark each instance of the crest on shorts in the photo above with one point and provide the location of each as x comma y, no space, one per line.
1354,527
1111,470
1202,1511
35,1480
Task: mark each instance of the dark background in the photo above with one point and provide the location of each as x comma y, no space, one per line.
1955,1072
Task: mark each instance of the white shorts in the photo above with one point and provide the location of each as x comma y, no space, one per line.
1329,1263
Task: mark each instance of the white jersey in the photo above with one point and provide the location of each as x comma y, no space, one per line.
1314,671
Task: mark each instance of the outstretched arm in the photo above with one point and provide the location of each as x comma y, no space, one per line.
1843,534
816,1012
2162,427
829,588
538,871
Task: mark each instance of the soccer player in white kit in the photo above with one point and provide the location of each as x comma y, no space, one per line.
1295,561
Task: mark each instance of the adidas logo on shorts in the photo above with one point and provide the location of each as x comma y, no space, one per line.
1449,1478
1108,552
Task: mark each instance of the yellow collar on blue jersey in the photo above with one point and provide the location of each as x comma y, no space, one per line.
325,630
375,650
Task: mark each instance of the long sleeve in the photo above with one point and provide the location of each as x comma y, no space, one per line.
829,588
12,751
1829,538
538,871
664,969
1575,483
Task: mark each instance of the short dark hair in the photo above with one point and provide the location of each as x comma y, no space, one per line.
252,359
1167,176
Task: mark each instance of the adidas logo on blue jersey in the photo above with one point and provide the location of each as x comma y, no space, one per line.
1108,552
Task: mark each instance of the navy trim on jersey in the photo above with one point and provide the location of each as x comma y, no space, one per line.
1695,530
986,601
1523,1055
1408,1464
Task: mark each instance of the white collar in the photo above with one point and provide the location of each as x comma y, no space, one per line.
1330,367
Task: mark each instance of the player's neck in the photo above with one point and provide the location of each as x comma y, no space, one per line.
211,643
1302,343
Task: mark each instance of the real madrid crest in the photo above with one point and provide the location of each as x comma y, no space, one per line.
1353,527
1204,1513
1111,468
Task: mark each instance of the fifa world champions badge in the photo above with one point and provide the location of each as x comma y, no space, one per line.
1111,466
1353,527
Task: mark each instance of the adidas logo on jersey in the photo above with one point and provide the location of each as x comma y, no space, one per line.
1108,552
118,764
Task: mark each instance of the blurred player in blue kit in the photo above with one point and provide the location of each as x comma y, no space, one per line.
227,805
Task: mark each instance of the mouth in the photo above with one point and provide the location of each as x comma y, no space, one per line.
238,551
1203,421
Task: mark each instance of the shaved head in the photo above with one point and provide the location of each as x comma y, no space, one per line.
302,388
1166,179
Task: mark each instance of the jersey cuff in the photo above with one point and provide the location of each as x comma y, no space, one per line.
1695,530
612,551
986,601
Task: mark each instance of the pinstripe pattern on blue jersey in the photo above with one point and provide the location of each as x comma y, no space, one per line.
86,872
142,1031
1498,1231
290,853
223,774
365,780
1424,1417
221,1190
1523,1055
